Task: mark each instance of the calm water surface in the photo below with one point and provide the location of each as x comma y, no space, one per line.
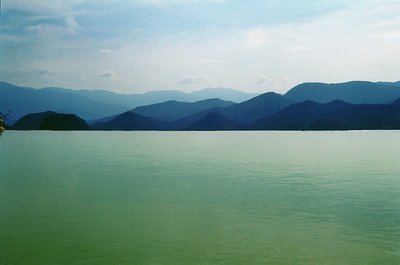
199,198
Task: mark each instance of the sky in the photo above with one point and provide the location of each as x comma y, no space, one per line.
136,46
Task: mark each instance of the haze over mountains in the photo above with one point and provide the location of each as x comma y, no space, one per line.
309,106
173,110
96,104
357,92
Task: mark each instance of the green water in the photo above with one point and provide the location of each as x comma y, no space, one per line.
200,198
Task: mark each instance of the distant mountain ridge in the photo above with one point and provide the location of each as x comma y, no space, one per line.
96,104
308,106
307,115
174,110
129,121
357,92
25,100
152,97
245,112
335,115
206,114
260,106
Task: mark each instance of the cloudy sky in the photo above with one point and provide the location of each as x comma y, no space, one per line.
140,45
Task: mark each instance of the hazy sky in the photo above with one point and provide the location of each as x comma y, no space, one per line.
141,45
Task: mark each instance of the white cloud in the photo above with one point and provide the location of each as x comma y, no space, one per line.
192,80
256,37
161,3
43,72
212,60
62,7
42,7
394,35
108,74
10,38
71,26
105,51
44,29
51,30
262,80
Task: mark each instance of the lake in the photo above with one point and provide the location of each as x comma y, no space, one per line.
199,197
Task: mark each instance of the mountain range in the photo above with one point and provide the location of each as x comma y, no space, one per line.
335,115
172,110
357,92
309,106
97,104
